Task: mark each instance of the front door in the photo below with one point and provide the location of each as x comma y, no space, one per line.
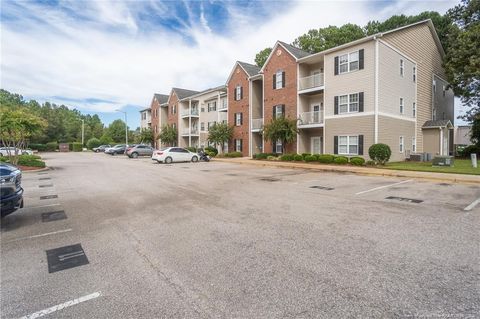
316,144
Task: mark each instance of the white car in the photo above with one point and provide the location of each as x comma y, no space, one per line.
5,151
174,154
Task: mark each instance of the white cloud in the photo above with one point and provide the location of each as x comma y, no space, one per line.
61,57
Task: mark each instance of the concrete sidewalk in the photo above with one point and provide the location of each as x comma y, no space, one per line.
443,177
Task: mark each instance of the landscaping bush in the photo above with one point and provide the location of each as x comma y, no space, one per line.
272,158
30,160
93,142
310,158
305,155
191,149
471,149
210,153
287,157
233,154
357,161
52,146
262,156
211,149
370,163
38,147
342,160
298,158
77,147
380,153
326,158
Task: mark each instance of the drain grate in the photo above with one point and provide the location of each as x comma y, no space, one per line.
44,178
322,187
269,179
403,199
53,216
66,257
48,196
43,186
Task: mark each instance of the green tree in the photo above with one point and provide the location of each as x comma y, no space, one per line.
116,130
475,132
281,128
93,142
462,62
145,136
262,56
168,135
219,134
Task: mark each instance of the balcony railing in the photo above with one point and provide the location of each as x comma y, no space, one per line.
222,107
310,82
193,112
311,118
193,131
257,124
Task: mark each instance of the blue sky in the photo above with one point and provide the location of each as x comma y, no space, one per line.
99,56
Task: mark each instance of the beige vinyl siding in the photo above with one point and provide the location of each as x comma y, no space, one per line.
432,141
392,86
353,125
352,82
389,132
305,139
417,42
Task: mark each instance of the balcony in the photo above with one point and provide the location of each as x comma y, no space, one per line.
311,119
187,132
189,113
223,107
257,124
311,83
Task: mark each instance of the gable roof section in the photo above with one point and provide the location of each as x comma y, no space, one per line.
209,90
161,98
183,93
249,69
295,52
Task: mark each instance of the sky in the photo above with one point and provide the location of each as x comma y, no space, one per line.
103,56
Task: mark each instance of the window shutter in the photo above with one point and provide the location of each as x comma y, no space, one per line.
360,102
335,144
360,145
360,59
335,108
336,65
283,79
235,94
241,92
274,81
241,118
283,110
241,145
274,116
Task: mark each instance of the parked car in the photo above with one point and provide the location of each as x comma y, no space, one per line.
117,149
174,154
139,150
10,189
4,151
101,148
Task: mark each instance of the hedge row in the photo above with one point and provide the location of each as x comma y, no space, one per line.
309,158
53,146
26,160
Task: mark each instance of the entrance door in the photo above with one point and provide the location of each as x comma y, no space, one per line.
315,109
316,146
445,142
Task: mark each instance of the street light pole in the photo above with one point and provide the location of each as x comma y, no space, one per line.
126,126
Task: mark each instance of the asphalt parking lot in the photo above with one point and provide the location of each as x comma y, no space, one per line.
221,240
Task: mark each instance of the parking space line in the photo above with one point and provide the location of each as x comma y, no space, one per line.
40,235
472,205
382,187
61,306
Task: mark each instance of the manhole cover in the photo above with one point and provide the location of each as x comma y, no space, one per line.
48,196
66,257
44,178
403,199
43,186
53,216
322,187
269,179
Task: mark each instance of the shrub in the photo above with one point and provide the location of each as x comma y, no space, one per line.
370,163
233,154
93,142
77,147
52,146
326,158
357,161
298,158
310,158
471,149
287,157
305,155
261,156
211,149
342,160
191,149
38,147
380,153
272,157
30,160
210,153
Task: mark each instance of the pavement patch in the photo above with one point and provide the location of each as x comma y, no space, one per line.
44,178
44,186
270,179
66,257
404,199
53,216
48,196
322,187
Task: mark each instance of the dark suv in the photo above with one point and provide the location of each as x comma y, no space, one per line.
11,189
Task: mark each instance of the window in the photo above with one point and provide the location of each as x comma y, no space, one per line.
238,93
349,62
202,126
238,145
348,103
174,126
224,103
238,119
212,106
444,89
414,109
174,109
414,144
400,146
202,109
401,67
348,145
279,111
402,108
279,80
278,147
414,74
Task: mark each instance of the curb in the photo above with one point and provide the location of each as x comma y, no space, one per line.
36,170
471,179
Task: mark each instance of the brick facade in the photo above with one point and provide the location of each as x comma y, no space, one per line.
172,117
239,77
155,111
287,95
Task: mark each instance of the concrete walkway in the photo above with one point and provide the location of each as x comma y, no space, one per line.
443,177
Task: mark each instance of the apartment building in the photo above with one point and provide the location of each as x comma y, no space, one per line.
146,118
157,115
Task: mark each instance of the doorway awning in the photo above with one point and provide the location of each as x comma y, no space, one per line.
437,124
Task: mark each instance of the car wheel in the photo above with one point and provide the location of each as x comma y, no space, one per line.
113,153
134,155
194,159
168,160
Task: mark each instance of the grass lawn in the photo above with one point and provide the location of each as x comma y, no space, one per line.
461,166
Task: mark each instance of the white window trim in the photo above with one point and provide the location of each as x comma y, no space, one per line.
277,81
348,104
237,145
237,119
348,62
278,143
277,112
348,144
401,144
238,93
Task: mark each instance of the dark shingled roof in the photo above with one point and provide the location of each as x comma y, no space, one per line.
436,123
251,69
183,93
161,98
297,52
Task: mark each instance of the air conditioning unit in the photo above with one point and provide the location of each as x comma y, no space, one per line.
443,161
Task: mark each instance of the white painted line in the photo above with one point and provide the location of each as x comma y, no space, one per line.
381,187
64,305
41,235
472,205
40,206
